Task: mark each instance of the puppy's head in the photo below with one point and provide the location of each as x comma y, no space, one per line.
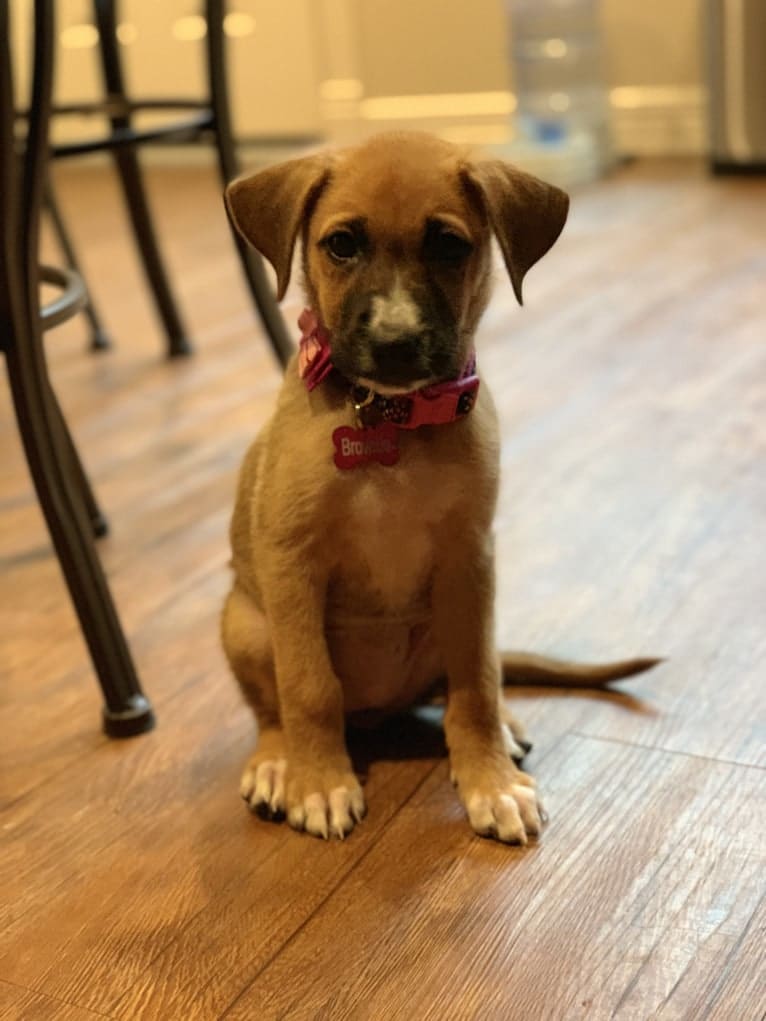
396,247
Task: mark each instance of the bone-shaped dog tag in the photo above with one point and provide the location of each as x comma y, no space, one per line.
355,447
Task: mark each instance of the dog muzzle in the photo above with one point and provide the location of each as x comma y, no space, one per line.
439,404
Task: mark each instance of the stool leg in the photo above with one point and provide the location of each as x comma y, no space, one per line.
131,180
126,162
99,338
80,481
127,710
251,262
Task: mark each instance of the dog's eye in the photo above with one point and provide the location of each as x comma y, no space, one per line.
342,245
442,245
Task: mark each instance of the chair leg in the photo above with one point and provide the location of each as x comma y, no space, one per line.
251,262
99,338
98,520
127,711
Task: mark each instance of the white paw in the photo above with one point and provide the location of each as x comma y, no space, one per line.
263,787
331,815
509,815
512,747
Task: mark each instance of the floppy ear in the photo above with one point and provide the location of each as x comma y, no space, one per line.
526,214
268,208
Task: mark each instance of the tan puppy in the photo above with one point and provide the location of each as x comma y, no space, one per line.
357,588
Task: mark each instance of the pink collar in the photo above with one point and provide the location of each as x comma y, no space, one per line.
432,405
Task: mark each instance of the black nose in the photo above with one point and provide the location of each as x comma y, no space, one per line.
397,358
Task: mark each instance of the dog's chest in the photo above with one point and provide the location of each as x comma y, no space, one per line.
389,521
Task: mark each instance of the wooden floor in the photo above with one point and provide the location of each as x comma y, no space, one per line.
632,389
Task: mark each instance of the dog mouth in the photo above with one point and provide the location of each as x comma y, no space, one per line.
396,340
392,368
393,389
388,372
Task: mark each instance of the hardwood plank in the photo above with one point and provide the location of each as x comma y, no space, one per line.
17,1004
102,797
741,980
629,902
246,923
633,495
177,645
165,865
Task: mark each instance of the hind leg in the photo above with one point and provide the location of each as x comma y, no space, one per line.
247,644
514,735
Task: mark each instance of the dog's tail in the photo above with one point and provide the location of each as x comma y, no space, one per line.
529,668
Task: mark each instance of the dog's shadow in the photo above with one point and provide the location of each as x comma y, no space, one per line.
418,733
413,734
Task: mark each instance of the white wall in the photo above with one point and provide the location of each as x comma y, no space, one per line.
653,65
338,67
274,70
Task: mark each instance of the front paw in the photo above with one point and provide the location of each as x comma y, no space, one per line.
502,803
324,801
263,786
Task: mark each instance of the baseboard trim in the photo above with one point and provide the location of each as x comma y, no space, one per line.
645,121
727,167
659,121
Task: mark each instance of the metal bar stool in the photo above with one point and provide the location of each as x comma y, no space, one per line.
70,509
207,119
